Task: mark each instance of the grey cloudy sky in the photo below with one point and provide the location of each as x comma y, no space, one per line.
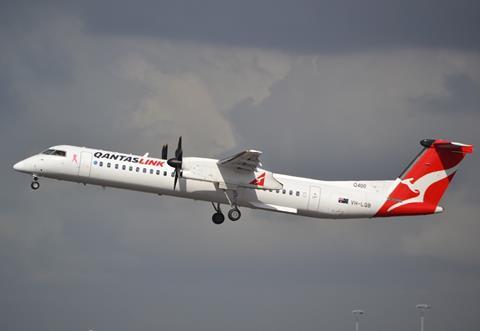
327,89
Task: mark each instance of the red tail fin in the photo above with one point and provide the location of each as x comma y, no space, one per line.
421,186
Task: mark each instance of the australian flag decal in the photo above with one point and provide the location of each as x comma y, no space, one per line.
343,200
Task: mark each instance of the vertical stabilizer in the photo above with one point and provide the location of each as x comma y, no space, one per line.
421,186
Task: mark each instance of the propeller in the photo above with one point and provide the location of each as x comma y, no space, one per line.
176,162
165,151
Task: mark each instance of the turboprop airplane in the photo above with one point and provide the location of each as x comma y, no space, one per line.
239,181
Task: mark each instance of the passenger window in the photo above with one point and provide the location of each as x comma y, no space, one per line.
108,165
100,164
173,174
137,169
158,172
298,193
124,167
116,166
291,192
95,162
278,191
284,191
164,173
130,168
144,170
151,171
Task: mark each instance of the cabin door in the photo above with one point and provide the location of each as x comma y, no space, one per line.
314,198
85,163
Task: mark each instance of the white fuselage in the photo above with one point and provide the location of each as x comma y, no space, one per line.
302,196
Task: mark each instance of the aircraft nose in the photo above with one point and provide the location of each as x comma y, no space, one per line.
19,166
24,166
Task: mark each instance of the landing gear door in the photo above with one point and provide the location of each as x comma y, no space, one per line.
85,163
314,198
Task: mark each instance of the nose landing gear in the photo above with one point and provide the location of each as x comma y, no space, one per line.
35,184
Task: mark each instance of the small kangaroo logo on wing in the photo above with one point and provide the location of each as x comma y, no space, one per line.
421,186
259,181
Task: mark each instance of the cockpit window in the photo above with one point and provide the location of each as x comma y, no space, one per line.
54,152
48,151
59,153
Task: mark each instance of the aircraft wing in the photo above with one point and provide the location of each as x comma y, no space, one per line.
248,161
241,169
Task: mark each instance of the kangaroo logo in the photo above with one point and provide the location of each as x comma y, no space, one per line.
421,185
259,181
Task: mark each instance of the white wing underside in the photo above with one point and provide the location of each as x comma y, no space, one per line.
269,206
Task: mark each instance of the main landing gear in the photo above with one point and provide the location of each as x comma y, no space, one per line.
35,184
234,214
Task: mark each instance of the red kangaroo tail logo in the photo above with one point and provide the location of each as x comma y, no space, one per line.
259,181
422,185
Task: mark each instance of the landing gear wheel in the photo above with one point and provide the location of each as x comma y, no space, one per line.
218,218
234,214
35,185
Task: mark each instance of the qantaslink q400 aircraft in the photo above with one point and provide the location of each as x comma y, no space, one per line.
239,181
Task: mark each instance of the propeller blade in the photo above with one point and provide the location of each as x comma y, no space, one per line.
175,180
179,152
165,151
176,162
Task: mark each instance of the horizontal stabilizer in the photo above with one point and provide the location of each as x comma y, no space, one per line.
447,145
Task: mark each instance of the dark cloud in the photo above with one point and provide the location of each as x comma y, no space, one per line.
294,26
463,96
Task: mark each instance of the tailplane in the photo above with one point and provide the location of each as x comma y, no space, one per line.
422,184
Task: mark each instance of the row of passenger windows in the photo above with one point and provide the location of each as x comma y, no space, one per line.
158,172
131,168
290,192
